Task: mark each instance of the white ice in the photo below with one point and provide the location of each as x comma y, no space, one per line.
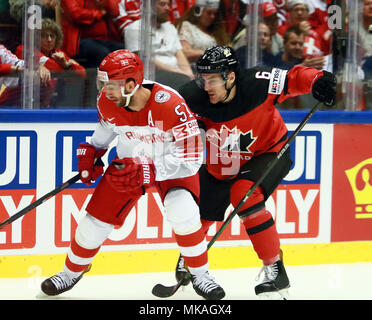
351,281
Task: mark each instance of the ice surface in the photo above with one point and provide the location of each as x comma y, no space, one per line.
351,281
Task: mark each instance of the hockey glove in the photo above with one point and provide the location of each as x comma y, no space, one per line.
136,172
324,89
88,167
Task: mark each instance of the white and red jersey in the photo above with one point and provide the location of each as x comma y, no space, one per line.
125,13
165,130
8,59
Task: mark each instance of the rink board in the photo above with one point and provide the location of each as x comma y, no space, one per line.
323,208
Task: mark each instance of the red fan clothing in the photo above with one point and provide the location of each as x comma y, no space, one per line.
313,45
178,8
4,68
125,12
233,12
10,96
84,19
52,65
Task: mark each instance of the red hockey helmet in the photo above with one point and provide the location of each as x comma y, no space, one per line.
121,65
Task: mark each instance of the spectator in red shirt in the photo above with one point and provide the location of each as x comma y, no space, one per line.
53,58
10,89
298,16
233,12
125,12
178,8
89,31
51,55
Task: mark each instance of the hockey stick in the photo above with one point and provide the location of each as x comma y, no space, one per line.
33,205
39,201
162,291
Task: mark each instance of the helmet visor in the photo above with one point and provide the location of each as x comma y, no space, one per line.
104,81
214,80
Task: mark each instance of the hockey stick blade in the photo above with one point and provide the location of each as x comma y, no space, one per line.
162,291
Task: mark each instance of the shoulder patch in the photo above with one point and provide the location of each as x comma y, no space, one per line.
277,81
162,96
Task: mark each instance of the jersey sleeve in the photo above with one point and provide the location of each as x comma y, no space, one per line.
102,136
184,156
126,13
290,83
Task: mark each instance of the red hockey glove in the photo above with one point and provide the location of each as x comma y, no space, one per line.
87,155
137,172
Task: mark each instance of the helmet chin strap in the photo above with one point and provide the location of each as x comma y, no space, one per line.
129,95
228,90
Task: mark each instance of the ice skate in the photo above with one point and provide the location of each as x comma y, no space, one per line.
205,286
182,272
60,283
275,283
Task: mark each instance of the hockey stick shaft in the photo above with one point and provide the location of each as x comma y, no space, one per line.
264,175
39,201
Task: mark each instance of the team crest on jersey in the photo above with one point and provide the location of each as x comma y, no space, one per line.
231,140
162,96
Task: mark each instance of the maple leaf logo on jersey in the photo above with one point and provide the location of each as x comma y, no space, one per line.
231,140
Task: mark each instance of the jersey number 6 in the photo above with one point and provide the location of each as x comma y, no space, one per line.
263,75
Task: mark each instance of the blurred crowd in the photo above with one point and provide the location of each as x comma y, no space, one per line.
77,34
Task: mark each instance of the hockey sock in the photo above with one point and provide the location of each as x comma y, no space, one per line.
193,248
89,236
258,222
187,228
78,259
261,230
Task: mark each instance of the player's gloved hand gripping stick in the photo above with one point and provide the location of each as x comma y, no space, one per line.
162,291
97,163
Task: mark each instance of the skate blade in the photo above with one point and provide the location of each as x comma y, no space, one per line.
275,295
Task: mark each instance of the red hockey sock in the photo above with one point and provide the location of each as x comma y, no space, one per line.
193,248
261,230
258,222
78,258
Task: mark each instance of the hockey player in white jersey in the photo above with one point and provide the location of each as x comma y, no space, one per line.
159,144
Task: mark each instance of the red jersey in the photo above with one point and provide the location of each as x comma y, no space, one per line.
313,45
178,8
164,130
249,124
125,12
84,19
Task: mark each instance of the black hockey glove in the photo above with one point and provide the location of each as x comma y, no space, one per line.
324,89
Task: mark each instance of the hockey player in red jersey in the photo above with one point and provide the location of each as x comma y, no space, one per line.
158,143
244,131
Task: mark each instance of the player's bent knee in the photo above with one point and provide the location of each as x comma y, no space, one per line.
181,211
255,202
91,232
